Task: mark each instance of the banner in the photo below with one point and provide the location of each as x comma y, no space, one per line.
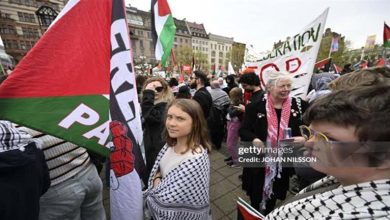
370,42
296,56
334,46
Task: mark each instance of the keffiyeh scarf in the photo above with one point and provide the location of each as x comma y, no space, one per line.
11,138
183,193
275,132
369,200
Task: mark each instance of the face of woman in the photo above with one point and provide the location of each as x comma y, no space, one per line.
157,87
334,156
178,123
281,90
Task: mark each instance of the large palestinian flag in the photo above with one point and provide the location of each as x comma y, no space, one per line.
163,29
76,80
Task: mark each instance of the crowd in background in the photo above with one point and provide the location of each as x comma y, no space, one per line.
183,120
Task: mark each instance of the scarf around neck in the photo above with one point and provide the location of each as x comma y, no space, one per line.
368,200
11,138
275,132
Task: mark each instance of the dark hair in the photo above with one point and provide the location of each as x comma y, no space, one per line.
250,79
184,92
230,80
202,76
173,82
366,108
199,132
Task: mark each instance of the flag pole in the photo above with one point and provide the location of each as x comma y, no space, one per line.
2,70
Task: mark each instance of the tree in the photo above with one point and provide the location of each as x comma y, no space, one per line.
202,60
184,55
338,57
237,55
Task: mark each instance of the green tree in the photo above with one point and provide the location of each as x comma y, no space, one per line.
237,55
202,60
184,55
338,57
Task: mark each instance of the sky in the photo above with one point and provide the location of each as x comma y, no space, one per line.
262,22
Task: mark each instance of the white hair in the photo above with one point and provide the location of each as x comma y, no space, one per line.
275,76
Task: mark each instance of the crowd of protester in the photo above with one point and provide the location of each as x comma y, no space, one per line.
184,120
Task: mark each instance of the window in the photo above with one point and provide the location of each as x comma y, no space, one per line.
26,17
5,15
220,54
149,34
181,40
140,33
186,40
219,47
141,44
213,53
133,46
23,45
7,29
212,60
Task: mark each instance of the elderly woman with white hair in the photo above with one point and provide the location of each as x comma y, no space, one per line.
264,124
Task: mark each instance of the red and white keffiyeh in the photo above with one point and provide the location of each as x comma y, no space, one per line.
275,132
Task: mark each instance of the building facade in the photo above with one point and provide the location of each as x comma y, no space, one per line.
140,25
200,44
220,49
183,35
20,27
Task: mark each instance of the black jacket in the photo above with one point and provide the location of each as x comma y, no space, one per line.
153,126
254,126
24,177
203,97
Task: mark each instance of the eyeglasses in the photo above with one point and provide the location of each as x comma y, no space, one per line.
309,133
159,89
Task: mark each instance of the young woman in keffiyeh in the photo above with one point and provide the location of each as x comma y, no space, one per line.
349,137
179,181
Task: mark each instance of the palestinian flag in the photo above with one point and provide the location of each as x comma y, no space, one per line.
322,63
163,30
247,212
386,36
77,83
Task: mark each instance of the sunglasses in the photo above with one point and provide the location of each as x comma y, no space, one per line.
309,133
159,89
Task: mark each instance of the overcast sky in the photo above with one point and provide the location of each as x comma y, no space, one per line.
263,22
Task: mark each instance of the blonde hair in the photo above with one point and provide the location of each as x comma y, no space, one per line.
166,94
236,96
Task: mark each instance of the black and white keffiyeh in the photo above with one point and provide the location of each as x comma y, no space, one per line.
11,138
369,200
183,193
